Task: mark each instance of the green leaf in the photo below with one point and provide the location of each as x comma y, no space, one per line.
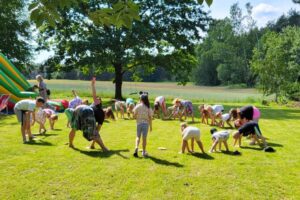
200,1
209,2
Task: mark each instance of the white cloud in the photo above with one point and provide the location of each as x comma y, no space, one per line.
263,13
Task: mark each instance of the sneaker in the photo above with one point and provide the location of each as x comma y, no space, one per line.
144,153
135,153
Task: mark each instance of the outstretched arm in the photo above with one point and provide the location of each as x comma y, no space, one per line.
96,101
74,93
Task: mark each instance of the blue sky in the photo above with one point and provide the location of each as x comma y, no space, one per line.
263,10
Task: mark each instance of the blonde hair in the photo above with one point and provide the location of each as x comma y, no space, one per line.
39,78
184,124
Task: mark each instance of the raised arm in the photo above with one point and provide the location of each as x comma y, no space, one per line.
96,101
74,93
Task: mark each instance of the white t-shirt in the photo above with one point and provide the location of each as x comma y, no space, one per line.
143,113
217,108
160,100
25,104
191,132
225,117
221,135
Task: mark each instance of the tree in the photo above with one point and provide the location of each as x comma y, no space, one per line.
291,19
14,32
277,62
165,36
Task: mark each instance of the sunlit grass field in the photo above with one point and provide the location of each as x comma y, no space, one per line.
62,88
49,169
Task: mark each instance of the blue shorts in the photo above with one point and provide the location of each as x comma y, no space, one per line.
142,129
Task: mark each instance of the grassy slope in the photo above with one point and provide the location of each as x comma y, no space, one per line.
48,169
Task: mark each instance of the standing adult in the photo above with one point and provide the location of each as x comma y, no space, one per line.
42,87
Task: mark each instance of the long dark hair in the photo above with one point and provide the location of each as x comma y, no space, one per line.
145,100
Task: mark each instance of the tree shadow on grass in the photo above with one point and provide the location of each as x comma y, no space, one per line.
102,154
39,143
164,162
203,156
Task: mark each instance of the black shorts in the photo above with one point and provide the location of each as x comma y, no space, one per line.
250,128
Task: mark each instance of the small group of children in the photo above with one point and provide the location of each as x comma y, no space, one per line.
120,106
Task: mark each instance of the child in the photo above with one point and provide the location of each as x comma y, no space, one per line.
23,109
218,138
249,128
160,102
109,113
224,118
213,110
41,117
129,107
120,106
76,101
175,112
187,108
143,115
190,132
204,114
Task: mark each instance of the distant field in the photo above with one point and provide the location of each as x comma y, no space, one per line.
60,88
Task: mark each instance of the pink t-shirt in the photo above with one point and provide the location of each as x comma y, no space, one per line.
256,113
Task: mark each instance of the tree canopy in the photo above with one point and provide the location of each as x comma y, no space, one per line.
14,32
164,36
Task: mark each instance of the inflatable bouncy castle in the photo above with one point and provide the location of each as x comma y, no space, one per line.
12,82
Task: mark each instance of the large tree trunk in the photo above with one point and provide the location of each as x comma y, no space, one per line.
118,81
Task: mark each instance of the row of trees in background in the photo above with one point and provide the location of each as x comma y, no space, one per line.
235,51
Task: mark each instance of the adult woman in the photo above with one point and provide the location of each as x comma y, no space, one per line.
42,87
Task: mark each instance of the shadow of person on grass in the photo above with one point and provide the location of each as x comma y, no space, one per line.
252,148
274,144
231,153
39,143
203,156
102,154
164,162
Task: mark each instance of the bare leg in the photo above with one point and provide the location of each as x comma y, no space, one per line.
23,131
183,146
92,145
71,137
144,143
192,144
213,146
220,146
200,146
101,144
226,145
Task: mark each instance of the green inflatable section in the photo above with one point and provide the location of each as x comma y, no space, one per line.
12,71
11,87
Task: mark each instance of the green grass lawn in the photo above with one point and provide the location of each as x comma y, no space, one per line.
49,169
